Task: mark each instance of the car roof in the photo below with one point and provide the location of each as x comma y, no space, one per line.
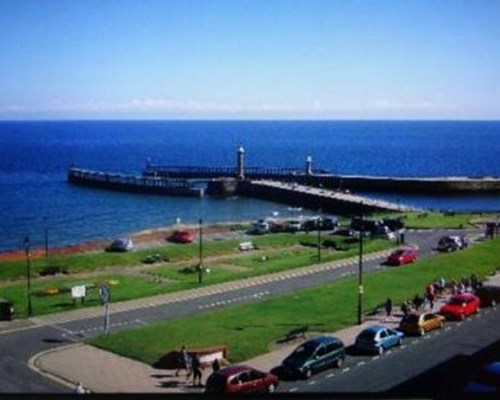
322,339
463,296
233,369
374,328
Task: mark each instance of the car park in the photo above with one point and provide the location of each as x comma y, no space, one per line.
488,295
419,324
324,224
460,306
312,356
487,380
241,379
452,243
122,244
181,236
402,256
377,339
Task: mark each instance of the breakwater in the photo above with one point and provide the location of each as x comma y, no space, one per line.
133,184
316,198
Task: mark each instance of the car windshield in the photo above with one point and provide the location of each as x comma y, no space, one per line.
411,319
398,253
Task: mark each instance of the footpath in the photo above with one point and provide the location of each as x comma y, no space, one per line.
103,372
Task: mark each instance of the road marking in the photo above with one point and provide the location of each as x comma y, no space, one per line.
447,328
311,382
375,357
294,389
403,346
346,369
361,363
330,375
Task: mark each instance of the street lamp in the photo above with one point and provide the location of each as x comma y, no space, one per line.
200,264
360,267
27,244
319,225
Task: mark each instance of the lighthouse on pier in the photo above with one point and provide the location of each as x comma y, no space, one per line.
240,163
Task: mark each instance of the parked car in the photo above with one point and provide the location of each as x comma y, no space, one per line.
260,227
487,380
402,256
327,224
460,306
452,243
377,339
241,379
343,232
394,224
313,356
488,295
294,225
419,324
181,236
121,245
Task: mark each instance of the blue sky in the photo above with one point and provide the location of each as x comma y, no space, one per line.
236,59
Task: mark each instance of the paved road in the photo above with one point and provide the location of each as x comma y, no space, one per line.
17,347
437,364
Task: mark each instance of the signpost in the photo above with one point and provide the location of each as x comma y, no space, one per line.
104,294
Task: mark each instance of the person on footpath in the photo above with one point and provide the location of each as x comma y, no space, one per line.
405,309
186,361
388,308
197,370
216,365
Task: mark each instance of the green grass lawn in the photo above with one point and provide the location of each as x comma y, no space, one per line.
132,287
249,329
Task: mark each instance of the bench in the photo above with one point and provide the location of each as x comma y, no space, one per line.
294,333
246,246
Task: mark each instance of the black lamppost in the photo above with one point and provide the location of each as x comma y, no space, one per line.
360,267
320,225
200,264
27,244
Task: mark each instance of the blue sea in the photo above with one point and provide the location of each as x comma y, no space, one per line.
35,156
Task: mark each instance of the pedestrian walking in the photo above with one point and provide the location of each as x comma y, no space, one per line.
430,300
186,362
417,302
197,370
216,365
404,308
388,307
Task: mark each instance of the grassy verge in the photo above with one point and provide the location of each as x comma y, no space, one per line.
247,330
178,276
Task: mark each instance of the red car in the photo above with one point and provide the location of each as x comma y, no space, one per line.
460,306
241,379
402,256
181,237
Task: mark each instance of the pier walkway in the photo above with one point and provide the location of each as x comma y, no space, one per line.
319,198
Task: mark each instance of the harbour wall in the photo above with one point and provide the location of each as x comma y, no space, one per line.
315,198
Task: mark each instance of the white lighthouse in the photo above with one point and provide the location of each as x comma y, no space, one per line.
309,162
240,163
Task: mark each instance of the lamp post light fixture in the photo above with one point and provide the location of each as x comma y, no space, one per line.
200,264
27,244
360,268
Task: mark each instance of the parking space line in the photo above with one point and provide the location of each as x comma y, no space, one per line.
330,375
346,369
294,389
311,383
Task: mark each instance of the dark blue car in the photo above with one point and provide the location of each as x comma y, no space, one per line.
313,356
377,339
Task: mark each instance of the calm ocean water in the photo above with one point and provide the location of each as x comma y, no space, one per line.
34,157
